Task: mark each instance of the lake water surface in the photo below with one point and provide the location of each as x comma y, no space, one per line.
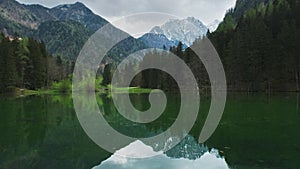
256,131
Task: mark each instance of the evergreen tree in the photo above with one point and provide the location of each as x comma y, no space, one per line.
107,75
8,72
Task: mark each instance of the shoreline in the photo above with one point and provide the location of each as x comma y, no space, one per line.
19,92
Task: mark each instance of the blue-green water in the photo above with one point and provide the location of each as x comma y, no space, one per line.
256,131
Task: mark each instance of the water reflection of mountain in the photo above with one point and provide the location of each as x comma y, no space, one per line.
188,148
188,154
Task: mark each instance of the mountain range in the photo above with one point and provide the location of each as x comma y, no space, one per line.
178,30
64,29
20,17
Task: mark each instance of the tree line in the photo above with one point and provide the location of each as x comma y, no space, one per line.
25,63
158,79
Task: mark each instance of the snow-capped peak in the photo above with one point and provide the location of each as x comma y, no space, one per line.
184,30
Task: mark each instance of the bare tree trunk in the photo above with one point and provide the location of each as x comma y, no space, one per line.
297,80
22,79
269,87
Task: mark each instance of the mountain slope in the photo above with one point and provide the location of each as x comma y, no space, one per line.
214,25
41,12
64,28
31,16
63,38
13,11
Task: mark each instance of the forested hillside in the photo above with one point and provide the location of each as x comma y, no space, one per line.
64,29
260,49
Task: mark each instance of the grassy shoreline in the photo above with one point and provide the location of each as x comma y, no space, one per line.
102,90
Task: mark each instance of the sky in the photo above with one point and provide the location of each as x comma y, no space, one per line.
115,11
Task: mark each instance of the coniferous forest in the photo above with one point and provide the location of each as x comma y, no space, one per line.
259,49
24,63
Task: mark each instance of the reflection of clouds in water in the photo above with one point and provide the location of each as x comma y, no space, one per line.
182,159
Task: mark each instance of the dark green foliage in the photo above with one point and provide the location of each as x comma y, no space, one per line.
242,6
24,63
261,52
8,74
35,73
